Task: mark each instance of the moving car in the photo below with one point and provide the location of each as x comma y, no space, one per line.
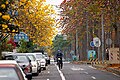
10,70
22,60
35,65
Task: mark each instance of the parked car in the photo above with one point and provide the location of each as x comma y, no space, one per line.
10,70
39,56
35,65
5,53
47,58
22,60
52,60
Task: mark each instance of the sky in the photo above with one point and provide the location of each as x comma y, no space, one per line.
54,2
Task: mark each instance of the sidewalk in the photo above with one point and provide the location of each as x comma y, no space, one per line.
114,68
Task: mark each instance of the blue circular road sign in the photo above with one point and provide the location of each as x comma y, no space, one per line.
92,44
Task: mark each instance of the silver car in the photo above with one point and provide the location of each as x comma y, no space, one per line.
40,58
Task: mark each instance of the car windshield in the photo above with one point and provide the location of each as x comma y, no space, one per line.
43,56
31,57
9,58
8,74
46,55
39,56
22,58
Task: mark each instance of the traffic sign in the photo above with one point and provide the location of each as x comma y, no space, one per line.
92,44
91,54
108,41
97,42
20,36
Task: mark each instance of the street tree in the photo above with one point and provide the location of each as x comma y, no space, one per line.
37,21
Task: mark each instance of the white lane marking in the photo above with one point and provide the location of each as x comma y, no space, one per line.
61,74
93,77
48,79
92,67
66,62
86,72
48,71
75,69
116,74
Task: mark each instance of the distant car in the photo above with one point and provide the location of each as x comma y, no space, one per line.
52,61
22,60
39,56
10,70
5,53
47,58
35,64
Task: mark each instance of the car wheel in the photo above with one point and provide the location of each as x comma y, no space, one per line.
37,73
46,64
44,68
39,70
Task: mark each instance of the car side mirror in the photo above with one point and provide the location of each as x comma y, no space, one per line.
29,76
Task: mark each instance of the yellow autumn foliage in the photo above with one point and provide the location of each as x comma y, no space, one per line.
13,30
6,17
0,14
7,2
37,21
4,26
3,6
23,1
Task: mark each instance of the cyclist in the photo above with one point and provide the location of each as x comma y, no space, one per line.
59,59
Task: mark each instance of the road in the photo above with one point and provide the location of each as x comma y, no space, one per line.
75,72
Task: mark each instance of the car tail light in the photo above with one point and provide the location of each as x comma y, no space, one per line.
27,69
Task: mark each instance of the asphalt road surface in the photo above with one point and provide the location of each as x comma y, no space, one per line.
75,72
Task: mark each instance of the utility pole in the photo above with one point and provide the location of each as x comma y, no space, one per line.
87,33
76,43
99,47
119,44
102,23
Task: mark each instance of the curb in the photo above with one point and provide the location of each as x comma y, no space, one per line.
107,69
100,67
114,70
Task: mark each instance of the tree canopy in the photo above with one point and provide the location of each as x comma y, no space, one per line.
37,21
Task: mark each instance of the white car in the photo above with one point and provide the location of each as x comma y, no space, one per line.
39,56
52,61
35,64
47,58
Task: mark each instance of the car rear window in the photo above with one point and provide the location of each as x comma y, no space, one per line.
8,74
39,56
22,58
31,57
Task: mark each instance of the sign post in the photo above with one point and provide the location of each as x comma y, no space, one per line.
97,43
